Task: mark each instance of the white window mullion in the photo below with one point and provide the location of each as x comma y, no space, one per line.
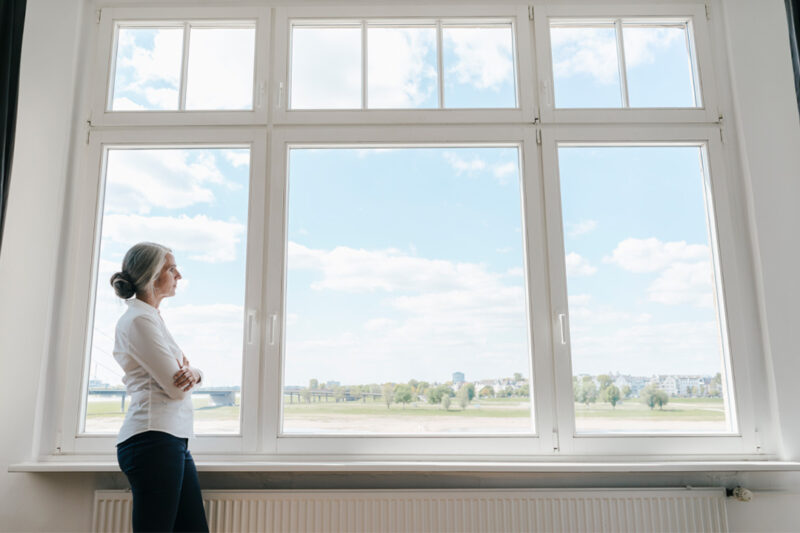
187,30
364,65
623,75
440,63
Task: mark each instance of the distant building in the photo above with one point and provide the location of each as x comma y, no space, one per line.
458,378
332,384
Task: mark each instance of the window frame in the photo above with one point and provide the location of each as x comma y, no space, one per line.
270,128
86,228
742,440
105,65
538,442
693,13
281,73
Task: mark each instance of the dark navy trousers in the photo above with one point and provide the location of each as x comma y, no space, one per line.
164,483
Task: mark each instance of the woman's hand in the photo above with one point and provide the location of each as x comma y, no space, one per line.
186,377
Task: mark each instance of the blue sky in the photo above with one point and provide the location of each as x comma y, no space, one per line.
408,262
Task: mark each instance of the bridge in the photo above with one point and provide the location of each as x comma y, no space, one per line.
227,396
219,397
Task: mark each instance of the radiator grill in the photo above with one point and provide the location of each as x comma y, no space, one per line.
446,511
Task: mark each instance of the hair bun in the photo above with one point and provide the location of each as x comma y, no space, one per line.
123,285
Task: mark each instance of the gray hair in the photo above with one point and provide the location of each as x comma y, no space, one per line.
140,268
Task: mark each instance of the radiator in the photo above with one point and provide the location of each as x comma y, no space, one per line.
456,511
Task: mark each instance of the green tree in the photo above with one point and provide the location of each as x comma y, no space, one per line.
626,391
487,392
403,394
436,394
306,394
446,402
463,397
612,395
604,381
470,390
588,391
517,377
313,384
388,394
651,395
524,390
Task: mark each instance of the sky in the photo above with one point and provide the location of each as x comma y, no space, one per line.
408,263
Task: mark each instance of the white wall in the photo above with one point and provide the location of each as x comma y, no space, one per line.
767,126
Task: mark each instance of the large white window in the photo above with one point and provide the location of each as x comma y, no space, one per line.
447,231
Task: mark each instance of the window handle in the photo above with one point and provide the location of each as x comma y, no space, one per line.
273,321
251,323
562,327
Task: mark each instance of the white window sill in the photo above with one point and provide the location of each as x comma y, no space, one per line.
93,464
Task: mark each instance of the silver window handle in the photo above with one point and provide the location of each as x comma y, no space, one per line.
562,327
251,324
273,322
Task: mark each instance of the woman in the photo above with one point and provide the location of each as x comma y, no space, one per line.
152,444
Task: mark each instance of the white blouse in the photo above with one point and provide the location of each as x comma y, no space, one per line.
150,357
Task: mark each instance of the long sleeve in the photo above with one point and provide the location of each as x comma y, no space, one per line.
148,348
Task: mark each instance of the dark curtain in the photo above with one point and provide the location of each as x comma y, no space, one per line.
12,18
793,13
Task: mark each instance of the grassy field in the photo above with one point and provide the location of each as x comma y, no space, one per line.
699,409
496,414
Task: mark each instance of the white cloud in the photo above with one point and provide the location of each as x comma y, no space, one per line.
199,237
159,65
398,75
359,270
437,316
462,165
584,51
644,349
238,158
642,44
581,228
211,336
138,180
220,73
483,56
684,283
578,265
503,171
651,255
126,104
576,300
593,51
326,68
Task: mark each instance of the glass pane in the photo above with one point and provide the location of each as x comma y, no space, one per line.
148,69
402,68
585,66
220,74
406,309
646,341
326,68
478,67
659,66
193,201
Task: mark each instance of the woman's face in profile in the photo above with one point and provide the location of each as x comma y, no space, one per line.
167,280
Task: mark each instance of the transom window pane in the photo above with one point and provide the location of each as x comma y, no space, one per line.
220,74
588,59
585,66
194,201
402,69
149,63
326,68
659,66
478,66
405,298
148,69
647,341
